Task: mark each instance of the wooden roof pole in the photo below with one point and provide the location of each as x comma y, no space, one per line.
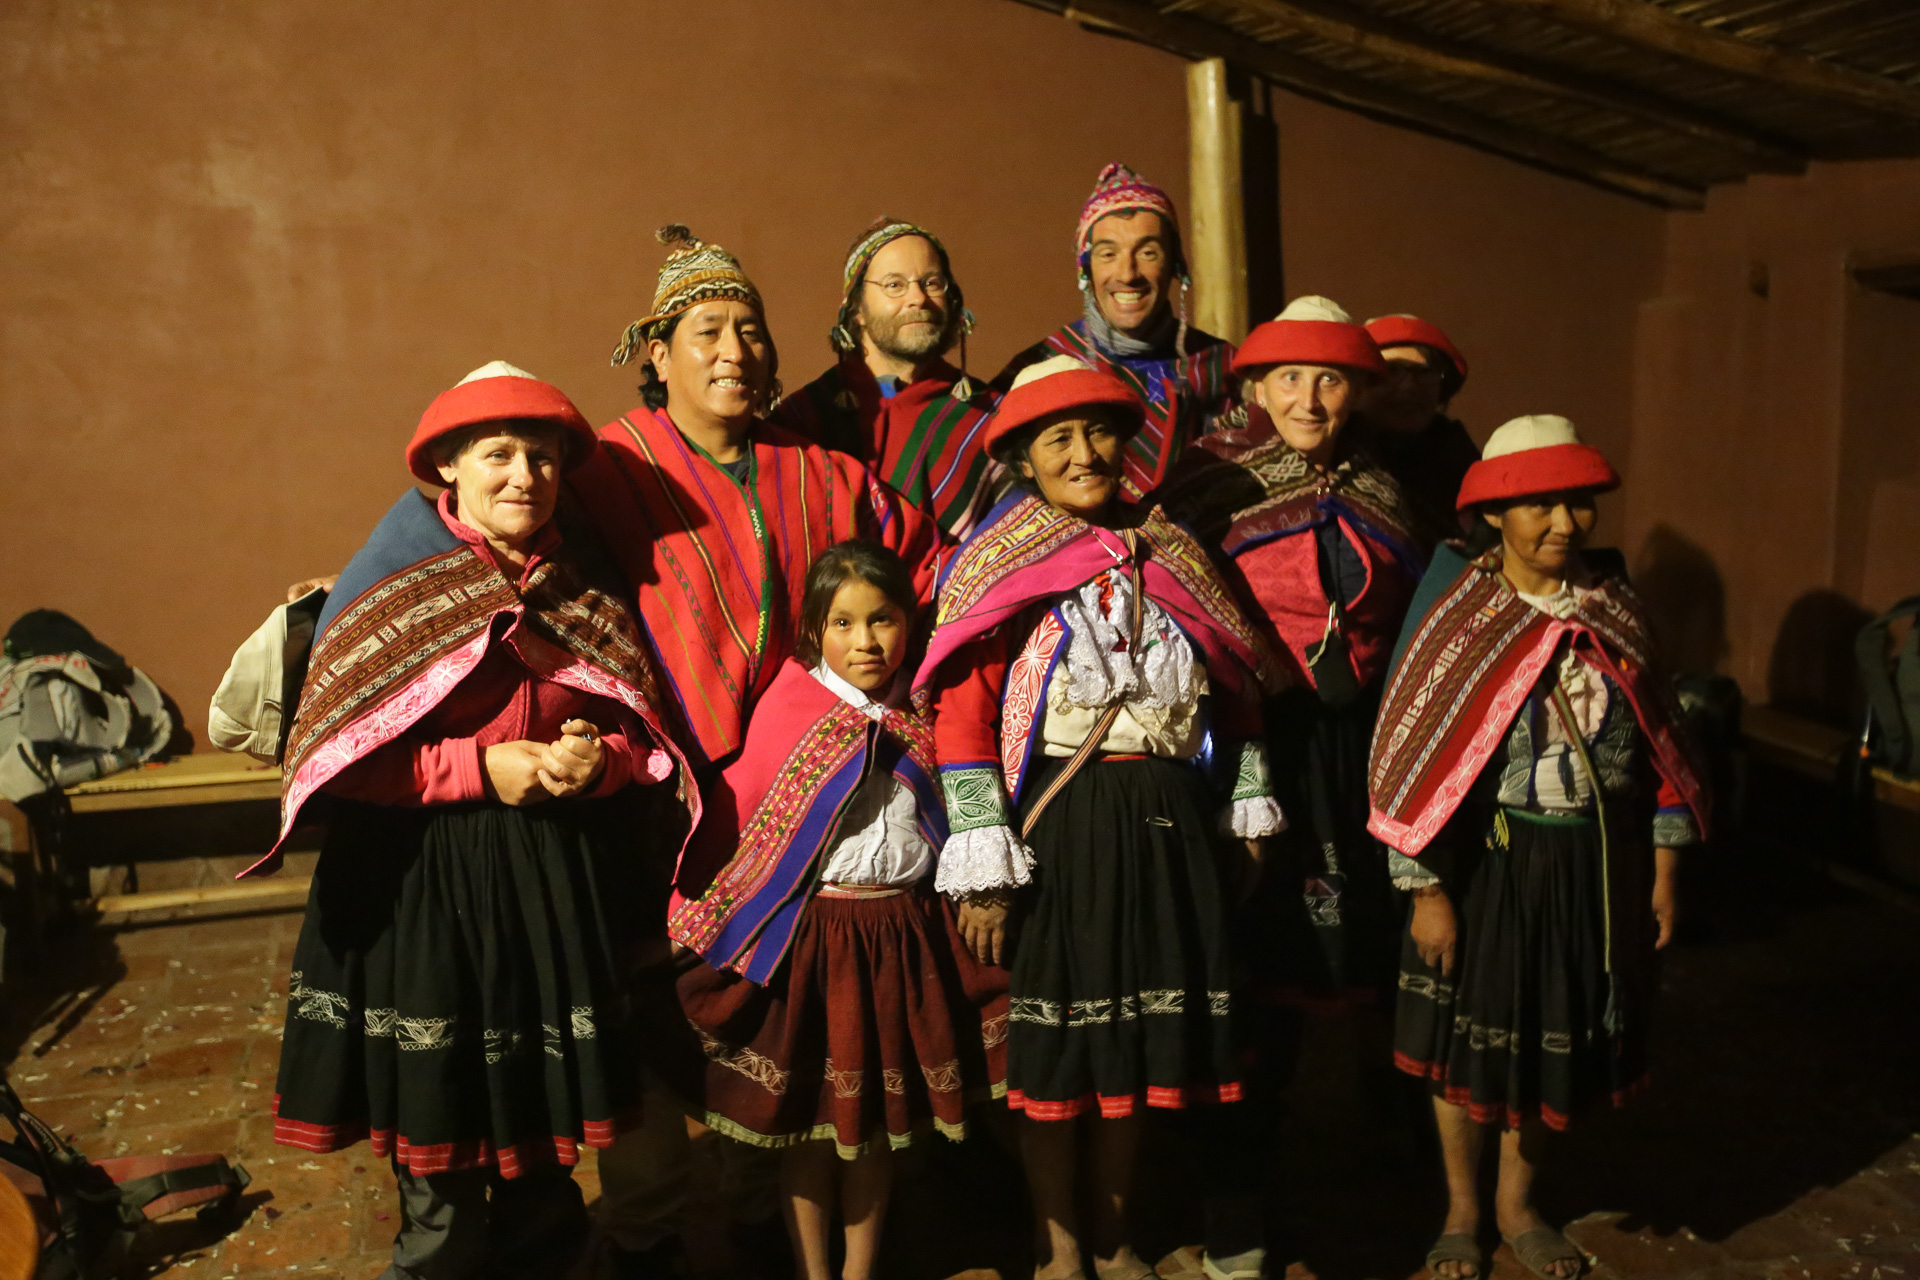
1190,37
1393,41
1651,27
1216,218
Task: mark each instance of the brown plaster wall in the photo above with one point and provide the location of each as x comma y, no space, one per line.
241,246
1774,488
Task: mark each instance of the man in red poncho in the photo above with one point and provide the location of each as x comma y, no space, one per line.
715,514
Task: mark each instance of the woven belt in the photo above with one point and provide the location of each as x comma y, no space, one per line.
861,890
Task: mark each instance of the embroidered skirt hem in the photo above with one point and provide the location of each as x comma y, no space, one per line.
1120,990
455,998
1530,1024
879,1026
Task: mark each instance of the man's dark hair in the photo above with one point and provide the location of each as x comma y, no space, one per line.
653,388
839,564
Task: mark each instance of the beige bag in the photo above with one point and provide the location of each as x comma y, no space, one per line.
254,705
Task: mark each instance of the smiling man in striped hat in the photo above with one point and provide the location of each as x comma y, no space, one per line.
891,399
1133,274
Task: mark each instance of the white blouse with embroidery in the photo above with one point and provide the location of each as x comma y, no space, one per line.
879,840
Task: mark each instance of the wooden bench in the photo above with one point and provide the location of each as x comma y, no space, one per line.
200,779
1813,749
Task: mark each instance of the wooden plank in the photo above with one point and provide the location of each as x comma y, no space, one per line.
250,891
1190,37
173,797
1651,27
187,771
1393,41
1216,215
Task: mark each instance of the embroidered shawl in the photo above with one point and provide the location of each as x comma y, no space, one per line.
719,567
416,609
1026,552
1470,666
1185,396
1238,494
921,441
775,810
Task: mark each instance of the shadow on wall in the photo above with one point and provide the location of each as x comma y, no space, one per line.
1811,673
1687,600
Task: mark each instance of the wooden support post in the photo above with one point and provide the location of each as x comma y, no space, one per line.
1217,229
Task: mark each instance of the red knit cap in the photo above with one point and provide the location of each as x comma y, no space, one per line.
1055,386
1412,331
1312,330
1540,453
496,392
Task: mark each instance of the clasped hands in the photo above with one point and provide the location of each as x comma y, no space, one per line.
524,772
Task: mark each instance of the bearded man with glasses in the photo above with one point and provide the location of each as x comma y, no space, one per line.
891,399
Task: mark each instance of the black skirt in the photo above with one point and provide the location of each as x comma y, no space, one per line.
1120,969
1324,928
1531,1023
455,993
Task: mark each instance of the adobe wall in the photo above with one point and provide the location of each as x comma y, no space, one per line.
1774,488
245,245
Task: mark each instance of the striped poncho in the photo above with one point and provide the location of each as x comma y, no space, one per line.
1186,395
922,440
719,564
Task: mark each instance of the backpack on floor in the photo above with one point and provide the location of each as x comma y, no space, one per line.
1893,692
87,1211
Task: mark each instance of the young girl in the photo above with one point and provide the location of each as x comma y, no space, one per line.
839,1010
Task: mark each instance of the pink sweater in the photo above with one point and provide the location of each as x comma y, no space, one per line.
442,758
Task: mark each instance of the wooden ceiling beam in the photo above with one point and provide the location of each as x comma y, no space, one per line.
1394,41
1190,37
1648,26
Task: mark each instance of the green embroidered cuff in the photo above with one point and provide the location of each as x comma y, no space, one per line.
1251,779
975,798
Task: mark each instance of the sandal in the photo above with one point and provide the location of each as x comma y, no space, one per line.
1138,1269
1541,1247
1458,1247
1250,1265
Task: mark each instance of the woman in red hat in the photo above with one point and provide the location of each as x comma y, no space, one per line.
1078,638
1407,425
478,705
1529,772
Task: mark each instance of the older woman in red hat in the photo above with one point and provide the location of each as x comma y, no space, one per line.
1326,552
1084,653
1409,430
478,706
1530,774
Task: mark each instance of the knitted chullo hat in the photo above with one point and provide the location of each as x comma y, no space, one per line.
694,272
880,233
1119,189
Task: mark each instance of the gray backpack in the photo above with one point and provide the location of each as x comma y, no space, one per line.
1893,690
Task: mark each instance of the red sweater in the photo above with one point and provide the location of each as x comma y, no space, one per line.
442,758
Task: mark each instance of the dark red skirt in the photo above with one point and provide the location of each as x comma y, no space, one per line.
880,1023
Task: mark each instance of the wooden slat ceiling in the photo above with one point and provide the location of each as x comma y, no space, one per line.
1655,99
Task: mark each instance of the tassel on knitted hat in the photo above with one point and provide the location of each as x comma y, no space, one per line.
964,388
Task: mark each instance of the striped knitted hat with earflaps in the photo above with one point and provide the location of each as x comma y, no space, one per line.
694,272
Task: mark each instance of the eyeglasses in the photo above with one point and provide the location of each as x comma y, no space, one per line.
935,286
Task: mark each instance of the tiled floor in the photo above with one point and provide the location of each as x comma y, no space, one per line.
1778,1143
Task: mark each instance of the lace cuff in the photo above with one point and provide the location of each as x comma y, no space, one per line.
982,858
1675,828
1252,818
1407,873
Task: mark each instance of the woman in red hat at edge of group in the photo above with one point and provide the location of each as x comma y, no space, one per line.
1085,653
1530,773
478,708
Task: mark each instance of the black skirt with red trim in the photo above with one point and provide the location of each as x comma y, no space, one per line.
454,996
1120,987
1529,1023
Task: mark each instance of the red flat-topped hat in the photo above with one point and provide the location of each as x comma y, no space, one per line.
1312,330
1540,453
496,392
1411,331
1054,386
